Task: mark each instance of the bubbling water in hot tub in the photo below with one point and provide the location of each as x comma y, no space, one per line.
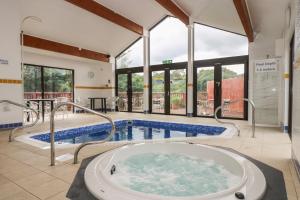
173,175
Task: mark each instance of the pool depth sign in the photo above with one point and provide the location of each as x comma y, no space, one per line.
268,65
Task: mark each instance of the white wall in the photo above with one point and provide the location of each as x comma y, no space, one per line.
102,72
10,50
288,34
296,95
260,88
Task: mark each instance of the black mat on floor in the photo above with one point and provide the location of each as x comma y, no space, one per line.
275,182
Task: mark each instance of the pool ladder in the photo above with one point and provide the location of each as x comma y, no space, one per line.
233,124
10,137
52,131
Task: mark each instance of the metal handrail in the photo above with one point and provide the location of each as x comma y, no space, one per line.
253,114
221,122
10,138
52,127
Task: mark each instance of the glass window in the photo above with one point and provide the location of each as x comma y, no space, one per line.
131,57
32,82
58,83
215,43
168,41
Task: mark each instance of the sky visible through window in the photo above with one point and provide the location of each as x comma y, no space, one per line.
131,57
214,43
168,41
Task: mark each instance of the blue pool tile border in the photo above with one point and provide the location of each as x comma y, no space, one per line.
103,128
11,125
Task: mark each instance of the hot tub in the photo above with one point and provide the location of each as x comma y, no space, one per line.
177,171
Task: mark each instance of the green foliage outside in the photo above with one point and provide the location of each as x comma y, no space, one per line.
178,80
55,80
204,76
177,77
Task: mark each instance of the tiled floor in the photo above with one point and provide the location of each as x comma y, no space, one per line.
25,172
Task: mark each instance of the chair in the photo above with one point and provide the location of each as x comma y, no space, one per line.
138,103
122,104
63,110
29,113
81,102
112,102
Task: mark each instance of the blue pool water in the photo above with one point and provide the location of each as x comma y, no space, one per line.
131,130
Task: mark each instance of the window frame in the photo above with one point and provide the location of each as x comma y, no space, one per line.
42,77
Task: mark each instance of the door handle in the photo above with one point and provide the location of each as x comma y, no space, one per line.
218,83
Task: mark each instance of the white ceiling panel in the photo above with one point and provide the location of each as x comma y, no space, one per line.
66,23
218,13
268,16
144,12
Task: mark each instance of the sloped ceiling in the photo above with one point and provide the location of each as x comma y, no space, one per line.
63,22
268,16
217,13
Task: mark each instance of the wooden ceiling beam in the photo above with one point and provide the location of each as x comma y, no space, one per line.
39,43
242,9
100,10
175,10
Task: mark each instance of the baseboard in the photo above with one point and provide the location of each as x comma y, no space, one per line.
11,125
296,164
82,111
189,114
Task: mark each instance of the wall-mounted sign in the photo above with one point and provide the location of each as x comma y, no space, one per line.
3,62
268,65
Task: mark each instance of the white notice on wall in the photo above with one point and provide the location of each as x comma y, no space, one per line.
268,65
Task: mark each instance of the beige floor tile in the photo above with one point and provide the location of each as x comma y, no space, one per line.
34,180
49,189
22,196
9,189
290,188
59,196
269,146
3,180
20,172
63,172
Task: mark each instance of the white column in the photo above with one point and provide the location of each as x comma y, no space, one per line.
190,69
112,61
146,70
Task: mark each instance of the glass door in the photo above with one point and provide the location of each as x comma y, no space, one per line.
221,82
130,90
168,90
122,92
158,92
205,91
137,93
233,90
178,91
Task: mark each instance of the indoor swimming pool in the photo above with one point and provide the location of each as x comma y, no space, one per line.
132,130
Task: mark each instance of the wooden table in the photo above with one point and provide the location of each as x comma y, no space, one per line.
43,105
103,103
